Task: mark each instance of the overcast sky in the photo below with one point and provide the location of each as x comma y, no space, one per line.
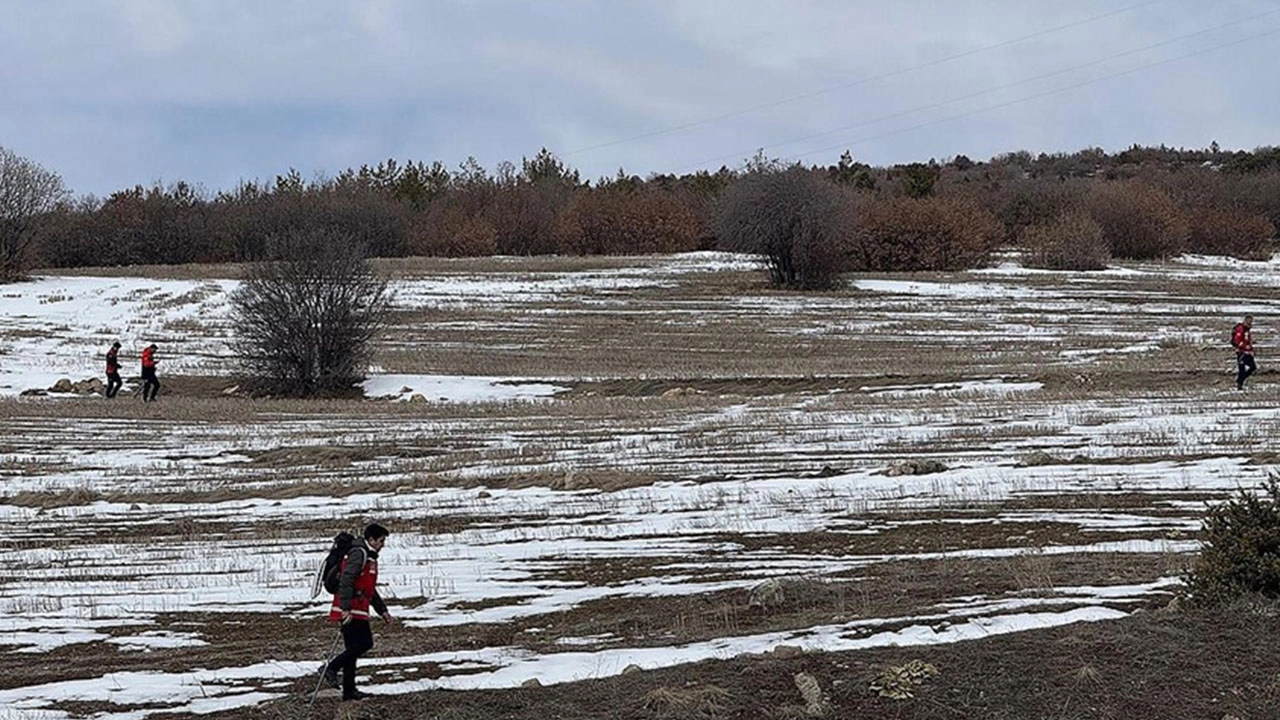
112,93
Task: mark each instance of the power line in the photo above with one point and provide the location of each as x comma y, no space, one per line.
1038,96
862,81
980,93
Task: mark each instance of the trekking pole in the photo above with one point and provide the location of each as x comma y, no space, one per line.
333,648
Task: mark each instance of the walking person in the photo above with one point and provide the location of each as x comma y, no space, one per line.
1242,341
357,592
113,370
150,384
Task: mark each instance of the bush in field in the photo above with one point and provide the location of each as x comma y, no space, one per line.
1138,221
303,321
793,218
1071,242
622,219
1232,232
938,233
1240,549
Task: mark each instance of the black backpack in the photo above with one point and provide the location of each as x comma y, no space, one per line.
327,574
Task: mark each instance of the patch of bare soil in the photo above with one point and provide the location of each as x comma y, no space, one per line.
1205,665
1112,379
939,535
883,590
749,386
232,640
337,455
1150,503
886,590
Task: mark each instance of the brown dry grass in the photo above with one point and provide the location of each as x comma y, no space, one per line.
697,702
1151,666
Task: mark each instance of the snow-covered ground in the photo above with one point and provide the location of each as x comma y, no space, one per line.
730,467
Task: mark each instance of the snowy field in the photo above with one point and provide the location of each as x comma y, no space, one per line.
678,464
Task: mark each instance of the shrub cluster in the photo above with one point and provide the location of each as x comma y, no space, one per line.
1228,231
304,316
1240,551
791,217
905,233
1138,221
1073,241
812,222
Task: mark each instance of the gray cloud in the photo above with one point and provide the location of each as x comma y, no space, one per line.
111,94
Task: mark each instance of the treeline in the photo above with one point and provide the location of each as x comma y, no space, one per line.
1068,210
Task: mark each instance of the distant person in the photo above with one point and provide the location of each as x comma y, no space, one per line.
113,370
150,383
357,591
1242,341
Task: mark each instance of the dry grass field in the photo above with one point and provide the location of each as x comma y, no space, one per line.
997,473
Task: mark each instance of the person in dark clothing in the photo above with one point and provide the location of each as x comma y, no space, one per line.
113,370
1242,341
150,384
357,593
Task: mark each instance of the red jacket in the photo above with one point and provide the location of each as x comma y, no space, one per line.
1242,339
148,359
363,590
113,365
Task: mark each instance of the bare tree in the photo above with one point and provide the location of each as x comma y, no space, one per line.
304,320
27,193
795,218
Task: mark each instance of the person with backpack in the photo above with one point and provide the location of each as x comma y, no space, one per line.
1242,341
357,594
150,384
113,371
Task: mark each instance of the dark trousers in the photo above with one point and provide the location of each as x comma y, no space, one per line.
357,639
113,383
1245,366
150,384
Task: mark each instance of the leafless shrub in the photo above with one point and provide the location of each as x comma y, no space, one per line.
1139,222
304,320
903,234
1071,242
1232,232
791,217
619,219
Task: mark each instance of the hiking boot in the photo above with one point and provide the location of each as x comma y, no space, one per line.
355,695
331,678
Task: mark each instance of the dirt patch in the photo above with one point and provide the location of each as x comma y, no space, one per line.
883,590
1150,666
337,455
672,388
931,536
887,590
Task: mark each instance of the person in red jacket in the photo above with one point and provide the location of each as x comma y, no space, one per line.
113,370
1242,341
357,593
150,384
